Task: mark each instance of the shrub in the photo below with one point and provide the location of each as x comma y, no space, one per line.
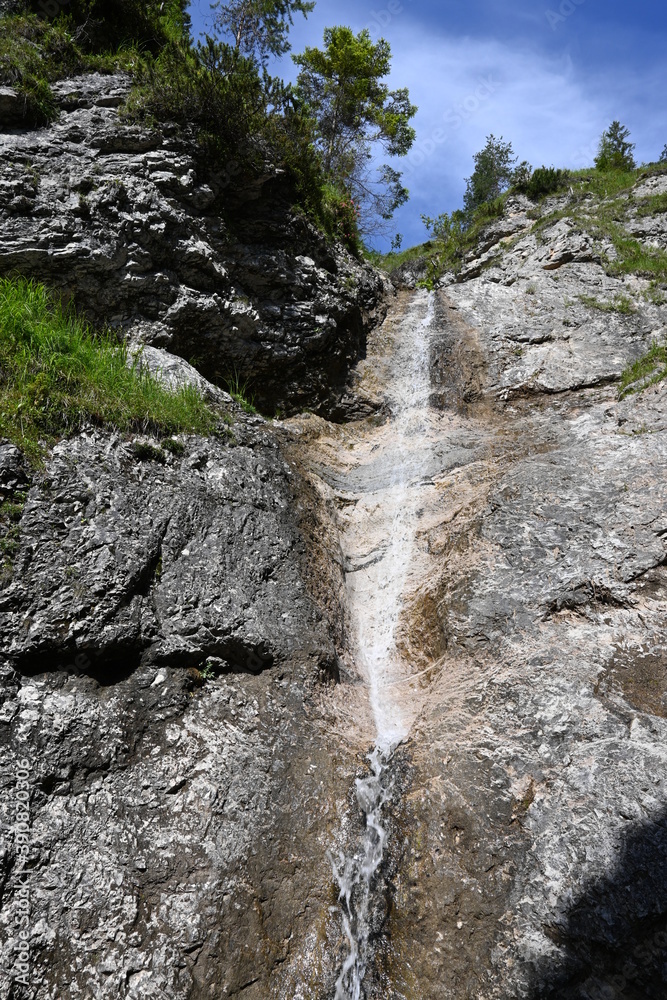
211,91
341,217
105,25
542,182
290,134
521,176
31,54
56,374
646,371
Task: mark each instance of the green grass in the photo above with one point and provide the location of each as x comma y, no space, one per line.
619,304
56,374
239,392
655,294
656,204
603,220
603,184
647,370
634,257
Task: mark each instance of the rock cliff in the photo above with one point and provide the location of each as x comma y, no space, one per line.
178,677
213,265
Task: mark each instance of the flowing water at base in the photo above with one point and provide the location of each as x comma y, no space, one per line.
399,460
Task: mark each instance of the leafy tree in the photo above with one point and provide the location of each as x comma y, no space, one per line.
445,227
493,173
614,150
355,112
663,155
260,27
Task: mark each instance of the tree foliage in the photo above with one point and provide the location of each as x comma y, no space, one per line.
493,174
104,25
354,113
213,91
663,155
260,28
615,152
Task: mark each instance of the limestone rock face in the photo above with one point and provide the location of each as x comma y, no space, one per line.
527,834
163,663
215,268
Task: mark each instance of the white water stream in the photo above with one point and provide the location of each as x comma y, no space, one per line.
376,582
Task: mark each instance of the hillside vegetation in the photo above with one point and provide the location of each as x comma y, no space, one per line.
56,374
601,201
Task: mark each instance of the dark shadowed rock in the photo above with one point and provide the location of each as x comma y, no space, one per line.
13,470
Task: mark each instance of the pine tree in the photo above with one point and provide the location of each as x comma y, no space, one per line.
614,150
342,88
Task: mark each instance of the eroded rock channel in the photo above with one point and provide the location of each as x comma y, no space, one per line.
529,794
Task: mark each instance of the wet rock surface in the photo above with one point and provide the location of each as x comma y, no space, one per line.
216,268
533,835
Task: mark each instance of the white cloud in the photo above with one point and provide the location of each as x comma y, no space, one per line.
468,88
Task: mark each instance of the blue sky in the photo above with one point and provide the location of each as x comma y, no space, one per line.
549,76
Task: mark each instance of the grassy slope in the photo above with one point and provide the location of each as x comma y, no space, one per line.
56,374
34,53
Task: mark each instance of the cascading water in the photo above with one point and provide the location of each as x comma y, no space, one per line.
376,583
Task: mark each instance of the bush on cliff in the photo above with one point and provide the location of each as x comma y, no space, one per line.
219,98
100,26
32,54
211,91
542,182
56,374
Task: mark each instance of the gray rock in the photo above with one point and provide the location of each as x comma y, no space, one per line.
174,372
176,619
163,667
13,472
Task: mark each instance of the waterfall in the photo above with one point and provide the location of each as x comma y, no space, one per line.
376,581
